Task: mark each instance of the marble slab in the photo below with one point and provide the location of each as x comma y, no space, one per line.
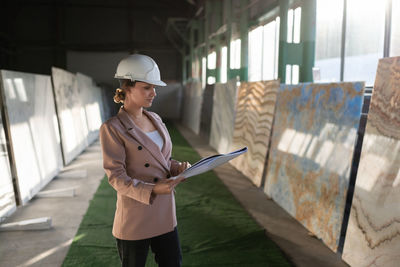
168,101
206,111
34,130
91,100
7,197
223,116
312,145
254,115
71,114
373,232
192,100
102,106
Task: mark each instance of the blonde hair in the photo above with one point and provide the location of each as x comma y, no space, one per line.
119,96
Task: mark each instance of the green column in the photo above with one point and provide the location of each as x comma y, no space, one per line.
206,34
244,60
191,49
283,7
228,36
308,28
218,63
184,66
218,11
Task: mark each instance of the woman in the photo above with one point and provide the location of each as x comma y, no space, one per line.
137,160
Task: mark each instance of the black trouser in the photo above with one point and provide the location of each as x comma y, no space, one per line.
133,253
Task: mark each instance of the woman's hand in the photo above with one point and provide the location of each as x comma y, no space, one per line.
183,166
165,187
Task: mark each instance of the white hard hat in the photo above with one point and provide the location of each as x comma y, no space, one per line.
141,68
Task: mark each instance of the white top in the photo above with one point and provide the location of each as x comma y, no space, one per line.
156,137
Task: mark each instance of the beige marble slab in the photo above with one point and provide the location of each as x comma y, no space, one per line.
373,232
192,100
223,116
254,115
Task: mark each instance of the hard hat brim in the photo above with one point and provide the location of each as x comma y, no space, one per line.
158,83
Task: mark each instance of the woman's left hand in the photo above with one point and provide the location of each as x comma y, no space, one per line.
183,166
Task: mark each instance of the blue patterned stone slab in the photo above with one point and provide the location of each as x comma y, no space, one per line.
373,232
71,114
192,100
7,197
223,116
314,135
34,130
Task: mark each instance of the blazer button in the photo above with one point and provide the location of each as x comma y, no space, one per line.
140,147
155,180
147,165
168,176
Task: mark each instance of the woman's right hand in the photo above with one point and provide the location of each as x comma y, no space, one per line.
165,187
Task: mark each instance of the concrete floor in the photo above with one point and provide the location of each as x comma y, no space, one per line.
49,247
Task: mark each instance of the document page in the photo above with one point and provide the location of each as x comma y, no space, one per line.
209,163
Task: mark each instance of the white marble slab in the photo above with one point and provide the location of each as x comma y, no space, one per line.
223,116
91,100
7,197
168,101
373,232
34,130
192,100
71,114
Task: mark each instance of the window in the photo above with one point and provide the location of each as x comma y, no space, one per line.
294,25
212,61
263,52
329,39
203,72
255,54
211,64
364,41
292,74
293,36
270,50
235,54
395,31
224,64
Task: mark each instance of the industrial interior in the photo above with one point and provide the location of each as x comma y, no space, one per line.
310,87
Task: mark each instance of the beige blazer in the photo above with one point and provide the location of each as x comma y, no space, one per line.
128,153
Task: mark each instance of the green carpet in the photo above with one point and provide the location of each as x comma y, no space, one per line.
213,227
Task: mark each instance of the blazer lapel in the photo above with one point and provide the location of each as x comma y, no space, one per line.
142,138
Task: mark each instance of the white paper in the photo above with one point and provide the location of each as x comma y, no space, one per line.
210,163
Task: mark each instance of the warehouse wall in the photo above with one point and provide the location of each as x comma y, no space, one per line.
37,35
